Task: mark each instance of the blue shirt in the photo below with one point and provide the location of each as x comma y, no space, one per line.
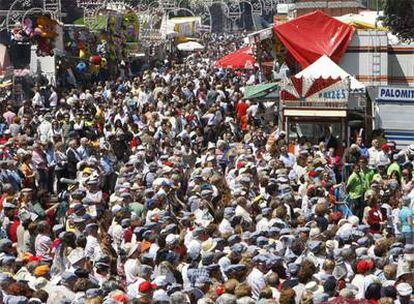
405,213
82,152
364,151
106,165
50,157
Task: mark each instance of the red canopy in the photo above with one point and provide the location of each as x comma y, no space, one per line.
238,60
310,36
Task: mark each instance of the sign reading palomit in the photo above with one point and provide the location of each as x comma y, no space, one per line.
396,94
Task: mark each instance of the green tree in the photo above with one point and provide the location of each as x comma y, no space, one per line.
399,16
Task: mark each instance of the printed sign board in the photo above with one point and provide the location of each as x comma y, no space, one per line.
396,94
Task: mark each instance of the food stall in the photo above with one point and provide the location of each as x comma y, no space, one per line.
318,103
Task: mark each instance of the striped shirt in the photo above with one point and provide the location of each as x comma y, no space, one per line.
43,245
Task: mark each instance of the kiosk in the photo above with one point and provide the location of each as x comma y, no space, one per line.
317,103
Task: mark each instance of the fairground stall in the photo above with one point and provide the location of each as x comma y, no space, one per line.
266,98
319,104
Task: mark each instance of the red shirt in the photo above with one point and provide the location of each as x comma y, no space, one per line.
241,109
13,230
374,219
128,234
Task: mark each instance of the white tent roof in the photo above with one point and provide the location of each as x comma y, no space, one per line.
370,17
324,67
190,46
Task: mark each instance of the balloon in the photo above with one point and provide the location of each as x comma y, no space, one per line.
81,67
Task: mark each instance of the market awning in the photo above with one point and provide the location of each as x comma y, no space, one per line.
325,68
239,60
262,91
304,88
310,36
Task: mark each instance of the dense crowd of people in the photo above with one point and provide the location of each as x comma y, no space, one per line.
169,187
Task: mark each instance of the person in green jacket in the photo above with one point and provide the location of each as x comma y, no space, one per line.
394,167
356,187
366,173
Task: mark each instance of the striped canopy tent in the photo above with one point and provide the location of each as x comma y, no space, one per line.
324,67
302,88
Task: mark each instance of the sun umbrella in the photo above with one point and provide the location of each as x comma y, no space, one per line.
238,60
190,46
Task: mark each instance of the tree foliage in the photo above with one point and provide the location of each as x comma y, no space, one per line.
399,16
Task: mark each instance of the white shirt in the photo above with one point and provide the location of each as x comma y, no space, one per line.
143,98
256,280
252,110
373,157
299,289
131,269
262,225
37,100
252,79
362,282
299,170
132,289
23,239
92,249
53,99
225,227
44,129
59,293
116,232
384,158
288,160
42,245
203,217
240,211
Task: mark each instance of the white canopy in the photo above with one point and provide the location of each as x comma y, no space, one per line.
324,67
190,46
368,17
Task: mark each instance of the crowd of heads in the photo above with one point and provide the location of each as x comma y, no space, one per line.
169,187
